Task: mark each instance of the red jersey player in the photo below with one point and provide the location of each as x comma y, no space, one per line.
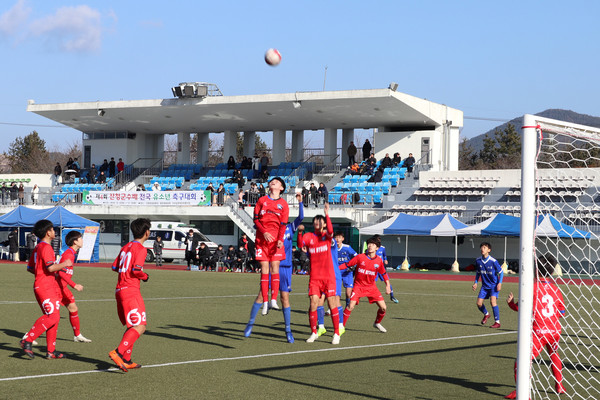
130,304
548,308
367,267
322,275
271,215
74,240
47,292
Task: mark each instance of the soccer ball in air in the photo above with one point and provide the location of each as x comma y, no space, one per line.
272,57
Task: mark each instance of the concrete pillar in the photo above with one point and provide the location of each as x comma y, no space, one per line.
229,145
202,148
183,148
297,145
249,143
330,144
347,137
278,153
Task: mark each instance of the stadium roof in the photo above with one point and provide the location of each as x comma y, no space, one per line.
372,108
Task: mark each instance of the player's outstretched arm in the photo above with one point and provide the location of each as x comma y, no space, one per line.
510,300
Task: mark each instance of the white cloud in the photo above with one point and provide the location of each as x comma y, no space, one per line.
13,20
71,29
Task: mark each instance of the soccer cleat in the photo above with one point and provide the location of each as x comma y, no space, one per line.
274,305
336,339
511,395
328,312
380,327
265,309
33,342
485,318
342,330
248,330
289,337
131,365
81,338
321,331
312,338
496,325
52,355
116,357
26,346
392,298
560,389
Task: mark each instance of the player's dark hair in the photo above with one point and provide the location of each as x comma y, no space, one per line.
545,264
489,246
139,227
41,228
72,237
375,240
339,233
320,217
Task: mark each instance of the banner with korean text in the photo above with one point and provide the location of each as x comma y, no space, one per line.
166,198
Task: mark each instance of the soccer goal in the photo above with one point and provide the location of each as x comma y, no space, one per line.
560,207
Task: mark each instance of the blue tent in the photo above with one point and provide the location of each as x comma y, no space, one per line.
59,216
413,225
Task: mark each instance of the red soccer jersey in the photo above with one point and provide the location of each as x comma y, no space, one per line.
319,250
548,307
271,216
367,269
65,275
130,266
43,257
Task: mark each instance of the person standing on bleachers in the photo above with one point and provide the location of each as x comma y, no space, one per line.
35,194
5,193
92,174
21,194
212,192
238,178
57,174
409,162
322,193
221,195
256,165
366,149
264,163
111,167
104,167
314,196
351,154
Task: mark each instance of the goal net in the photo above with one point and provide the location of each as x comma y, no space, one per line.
561,187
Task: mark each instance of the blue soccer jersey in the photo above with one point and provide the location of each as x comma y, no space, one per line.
345,254
381,253
490,271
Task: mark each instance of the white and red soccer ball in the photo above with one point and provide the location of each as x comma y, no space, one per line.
273,57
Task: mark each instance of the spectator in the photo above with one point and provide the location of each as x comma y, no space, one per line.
221,195
256,164
203,257
101,177
13,244
69,163
253,194
238,178
120,165
261,190
354,169
300,261
104,167
140,188
241,199
386,161
305,196
57,174
111,167
372,159
35,194
397,159
75,165
158,248
351,153
377,176
218,257
191,244
56,244
31,243
231,259
21,194
5,193
242,257
313,193
156,187
231,163
212,192
409,162
243,241
92,174
366,149
264,163
246,163
322,192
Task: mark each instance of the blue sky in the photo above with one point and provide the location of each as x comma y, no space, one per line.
490,59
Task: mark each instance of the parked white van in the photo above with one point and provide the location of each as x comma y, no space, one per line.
173,236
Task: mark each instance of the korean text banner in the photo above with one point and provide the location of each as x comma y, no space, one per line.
168,198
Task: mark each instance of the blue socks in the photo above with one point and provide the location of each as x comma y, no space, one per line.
341,311
483,310
320,315
496,311
287,318
253,312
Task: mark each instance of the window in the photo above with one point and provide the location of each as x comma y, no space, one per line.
216,227
164,235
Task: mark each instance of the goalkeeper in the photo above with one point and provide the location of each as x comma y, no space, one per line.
548,308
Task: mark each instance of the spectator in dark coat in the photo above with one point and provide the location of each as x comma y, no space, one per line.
377,176
397,159
238,178
366,149
92,174
191,244
104,167
218,256
351,153
322,192
13,244
409,162
112,167
203,257
313,193
5,193
101,178
31,243
158,246
14,193
221,195
231,163
386,162
231,259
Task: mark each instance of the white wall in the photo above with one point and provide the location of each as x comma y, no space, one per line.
408,142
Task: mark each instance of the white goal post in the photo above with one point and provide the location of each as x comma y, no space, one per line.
560,176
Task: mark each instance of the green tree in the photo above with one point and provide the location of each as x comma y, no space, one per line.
259,147
29,155
489,153
467,157
508,148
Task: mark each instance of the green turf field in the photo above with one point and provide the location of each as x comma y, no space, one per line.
194,347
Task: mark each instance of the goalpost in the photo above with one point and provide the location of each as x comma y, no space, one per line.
560,176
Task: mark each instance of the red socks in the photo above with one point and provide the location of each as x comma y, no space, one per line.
380,315
313,320
74,318
126,345
274,286
42,324
347,313
335,318
556,367
51,338
264,287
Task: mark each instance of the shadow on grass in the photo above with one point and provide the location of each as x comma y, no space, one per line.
482,387
211,330
455,323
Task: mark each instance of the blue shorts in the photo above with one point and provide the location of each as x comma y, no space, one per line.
348,279
338,286
285,279
486,293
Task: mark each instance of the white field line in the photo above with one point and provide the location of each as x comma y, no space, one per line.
291,353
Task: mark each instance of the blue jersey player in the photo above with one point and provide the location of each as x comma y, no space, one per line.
345,253
491,283
383,256
285,278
